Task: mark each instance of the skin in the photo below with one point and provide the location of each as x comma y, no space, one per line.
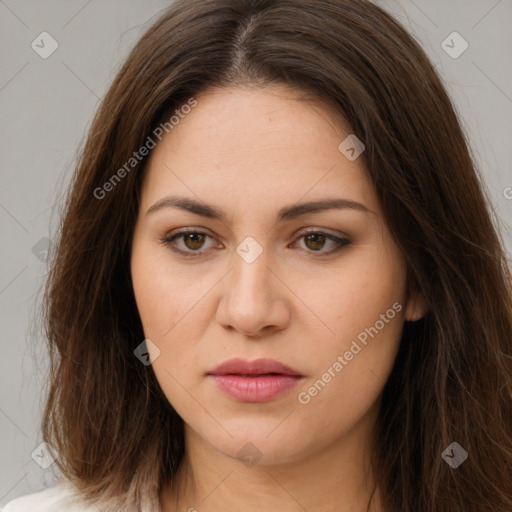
250,152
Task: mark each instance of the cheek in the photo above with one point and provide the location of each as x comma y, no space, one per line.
350,374
361,308
172,315
163,296
347,300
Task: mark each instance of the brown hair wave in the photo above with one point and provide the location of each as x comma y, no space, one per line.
118,438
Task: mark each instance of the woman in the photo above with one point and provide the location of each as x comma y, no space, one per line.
278,284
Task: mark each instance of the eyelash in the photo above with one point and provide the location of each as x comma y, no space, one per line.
167,241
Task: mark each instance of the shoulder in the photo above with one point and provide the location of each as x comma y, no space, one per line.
58,498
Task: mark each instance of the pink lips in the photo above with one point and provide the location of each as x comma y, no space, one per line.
254,381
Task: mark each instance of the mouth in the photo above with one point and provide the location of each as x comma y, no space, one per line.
254,381
257,367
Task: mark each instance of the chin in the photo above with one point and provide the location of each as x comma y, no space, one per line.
265,444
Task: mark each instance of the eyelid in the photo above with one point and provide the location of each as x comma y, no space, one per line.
323,231
170,237
340,240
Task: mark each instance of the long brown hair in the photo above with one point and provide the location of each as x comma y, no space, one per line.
117,436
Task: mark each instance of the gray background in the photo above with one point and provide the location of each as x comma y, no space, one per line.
47,106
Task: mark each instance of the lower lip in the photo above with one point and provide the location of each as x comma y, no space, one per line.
255,389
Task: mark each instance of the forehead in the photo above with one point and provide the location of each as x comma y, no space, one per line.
248,146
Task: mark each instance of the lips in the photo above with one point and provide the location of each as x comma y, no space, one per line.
254,381
257,367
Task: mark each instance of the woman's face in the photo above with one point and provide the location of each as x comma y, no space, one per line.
254,284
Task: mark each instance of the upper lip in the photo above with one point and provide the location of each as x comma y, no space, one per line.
262,366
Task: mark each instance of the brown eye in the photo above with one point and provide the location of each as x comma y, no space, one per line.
192,243
315,241
193,240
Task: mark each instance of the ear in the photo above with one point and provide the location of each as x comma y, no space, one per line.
416,306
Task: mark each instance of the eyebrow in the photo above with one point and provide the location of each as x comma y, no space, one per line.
285,213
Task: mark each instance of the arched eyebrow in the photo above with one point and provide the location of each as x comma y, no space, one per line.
285,213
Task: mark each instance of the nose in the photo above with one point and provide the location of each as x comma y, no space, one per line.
254,301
